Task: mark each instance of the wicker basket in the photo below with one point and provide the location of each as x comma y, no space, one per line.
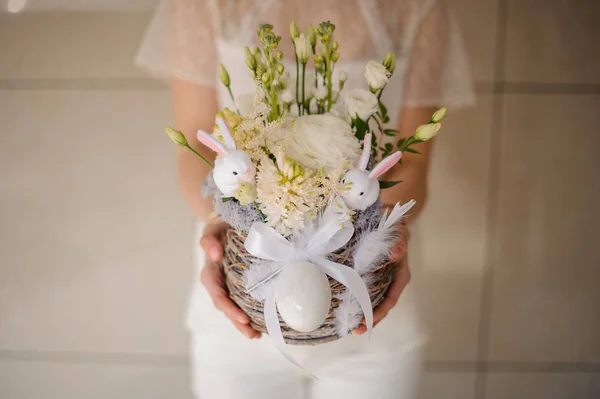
235,261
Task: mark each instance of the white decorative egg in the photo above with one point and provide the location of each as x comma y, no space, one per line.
303,296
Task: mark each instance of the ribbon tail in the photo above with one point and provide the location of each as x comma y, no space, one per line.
353,282
274,330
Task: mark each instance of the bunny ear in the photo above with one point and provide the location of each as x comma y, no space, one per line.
211,142
363,161
385,165
226,133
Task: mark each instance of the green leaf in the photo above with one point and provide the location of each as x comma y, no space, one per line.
401,142
386,119
390,132
412,150
387,150
361,128
387,184
227,199
383,110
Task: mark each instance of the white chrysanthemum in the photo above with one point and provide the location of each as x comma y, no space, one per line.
319,141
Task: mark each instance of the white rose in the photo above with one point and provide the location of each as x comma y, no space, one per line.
428,131
376,74
320,141
360,103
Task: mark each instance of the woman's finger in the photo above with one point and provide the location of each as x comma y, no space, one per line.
399,250
245,329
212,278
391,297
212,246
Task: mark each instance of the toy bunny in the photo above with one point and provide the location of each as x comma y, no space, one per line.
364,190
232,165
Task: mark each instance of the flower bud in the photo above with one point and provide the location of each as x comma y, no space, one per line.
389,62
176,136
303,50
287,97
250,60
224,75
266,78
280,68
439,115
279,55
294,32
335,45
427,132
376,75
343,76
312,36
321,93
335,57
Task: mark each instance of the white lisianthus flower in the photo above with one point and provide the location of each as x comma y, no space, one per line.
303,49
360,103
376,74
428,131
320,141
321,93
287,97
439,115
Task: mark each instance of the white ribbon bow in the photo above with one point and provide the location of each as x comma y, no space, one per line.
265,243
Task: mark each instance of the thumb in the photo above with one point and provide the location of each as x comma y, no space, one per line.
213,247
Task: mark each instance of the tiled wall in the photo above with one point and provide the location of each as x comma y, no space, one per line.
95,266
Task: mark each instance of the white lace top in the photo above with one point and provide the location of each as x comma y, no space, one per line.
187,38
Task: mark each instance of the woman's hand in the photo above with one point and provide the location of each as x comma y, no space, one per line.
213,278
401,279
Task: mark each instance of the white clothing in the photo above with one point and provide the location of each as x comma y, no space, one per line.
186,39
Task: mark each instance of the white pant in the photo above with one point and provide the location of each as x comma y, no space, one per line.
227,365
252,370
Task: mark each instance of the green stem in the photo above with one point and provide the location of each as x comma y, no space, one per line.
200,156
407,143
262,215
297,80
274,106
233,99
303,76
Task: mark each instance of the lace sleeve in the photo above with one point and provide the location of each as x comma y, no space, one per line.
180,42
439,72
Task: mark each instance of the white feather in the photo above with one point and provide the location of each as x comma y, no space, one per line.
256,273
375,245
348,314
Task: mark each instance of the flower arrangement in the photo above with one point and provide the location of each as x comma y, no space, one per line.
294,177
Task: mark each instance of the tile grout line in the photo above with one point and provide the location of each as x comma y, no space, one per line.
149,84
486,295
166,360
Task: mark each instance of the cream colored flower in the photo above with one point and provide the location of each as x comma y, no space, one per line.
376,74
287,97
320,141
427,132
360,103
321,93
289,194
303,50
246,193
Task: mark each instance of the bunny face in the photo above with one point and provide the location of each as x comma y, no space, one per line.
230,170
233,166
364,187
363,191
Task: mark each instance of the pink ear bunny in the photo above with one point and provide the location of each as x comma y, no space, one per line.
233,166
363,190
